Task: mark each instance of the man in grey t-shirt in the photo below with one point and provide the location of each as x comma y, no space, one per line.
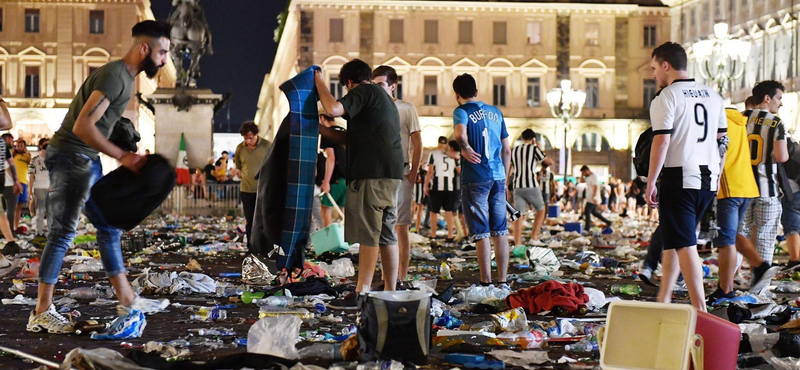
74,164
386,77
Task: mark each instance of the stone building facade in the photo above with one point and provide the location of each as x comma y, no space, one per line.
517,51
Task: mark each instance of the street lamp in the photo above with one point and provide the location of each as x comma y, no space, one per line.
721,59
566,104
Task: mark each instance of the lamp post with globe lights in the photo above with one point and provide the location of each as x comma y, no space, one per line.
721,59
565,103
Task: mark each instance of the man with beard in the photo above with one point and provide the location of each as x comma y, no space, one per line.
74,164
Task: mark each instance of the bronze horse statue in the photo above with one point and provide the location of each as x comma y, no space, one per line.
190,38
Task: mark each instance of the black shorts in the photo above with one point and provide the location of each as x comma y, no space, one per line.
680,211
442,199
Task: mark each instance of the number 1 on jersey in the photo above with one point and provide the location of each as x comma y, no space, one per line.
701,112
485,135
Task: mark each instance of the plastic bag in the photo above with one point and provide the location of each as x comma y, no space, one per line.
597,299
98,358
275,336
129,326
256,272
343,267
543,260
512,320
478,294
787,363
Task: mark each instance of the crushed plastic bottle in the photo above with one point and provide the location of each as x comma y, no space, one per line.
274,301
269,311
381,365
585,345
249,297
216,332
209,314
229,290
325,351
97,291
444,271
525,339
628,289
788,287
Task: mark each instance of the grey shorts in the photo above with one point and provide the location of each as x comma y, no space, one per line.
370,212
525,197
405,196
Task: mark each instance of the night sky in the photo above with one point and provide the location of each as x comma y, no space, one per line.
242,38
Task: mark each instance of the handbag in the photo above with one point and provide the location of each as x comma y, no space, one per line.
395,326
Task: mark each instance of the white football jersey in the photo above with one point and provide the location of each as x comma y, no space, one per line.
444,174
692,114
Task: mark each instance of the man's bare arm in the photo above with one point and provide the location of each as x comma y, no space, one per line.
5,117
86,130
329,103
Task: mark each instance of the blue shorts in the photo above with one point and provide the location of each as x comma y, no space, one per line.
730,216
680,211
790,217
23,197
484,206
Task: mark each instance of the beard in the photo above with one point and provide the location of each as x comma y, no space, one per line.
149,66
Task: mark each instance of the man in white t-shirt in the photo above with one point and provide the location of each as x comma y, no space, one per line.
40,182
690,133
411,141
592,200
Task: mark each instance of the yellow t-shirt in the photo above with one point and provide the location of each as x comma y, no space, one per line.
22,161
737,179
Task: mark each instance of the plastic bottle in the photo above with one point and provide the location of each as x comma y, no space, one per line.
325,351
585,345
274,301
229,291
89,293
301,313
249,297
444,271
209,314
216,332
628,289
788,287
381,365
319,306
242,342
90,326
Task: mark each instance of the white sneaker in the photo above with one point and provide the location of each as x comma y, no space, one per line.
50,320
145,305
6,266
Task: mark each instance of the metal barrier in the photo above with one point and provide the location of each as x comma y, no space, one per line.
197,200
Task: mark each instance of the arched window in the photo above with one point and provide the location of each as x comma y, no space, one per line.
591,142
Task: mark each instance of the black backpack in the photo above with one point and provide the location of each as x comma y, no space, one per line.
641,154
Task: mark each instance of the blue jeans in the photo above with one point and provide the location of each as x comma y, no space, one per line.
730,216
484,206
790,217
71,178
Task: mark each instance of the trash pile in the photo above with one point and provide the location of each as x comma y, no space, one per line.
228,308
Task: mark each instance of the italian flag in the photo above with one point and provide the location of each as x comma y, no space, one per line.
182,168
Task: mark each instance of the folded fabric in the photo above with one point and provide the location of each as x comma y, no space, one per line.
172,282
547,296
312,286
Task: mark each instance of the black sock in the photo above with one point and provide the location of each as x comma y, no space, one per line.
485,284
761,269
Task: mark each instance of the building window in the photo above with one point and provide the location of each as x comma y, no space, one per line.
534,33
430,90
431,32
31,20
1,80
744,9
92,69
694,17
336,30
649,93
717,9
593,34
337,90
96,21
534,92
499,91
592,93
499,33
464,32
704,15
396,30
398,92
1,19
31,82
650,36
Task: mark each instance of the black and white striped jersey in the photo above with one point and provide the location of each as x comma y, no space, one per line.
763,130
525,158
444,171
692,114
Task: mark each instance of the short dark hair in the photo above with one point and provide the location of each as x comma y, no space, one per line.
389,72
218,163
442,140
454,145
528,134
327,117
750,102
356,71
584,168
154,29
248,126
673,53
464,85
3,136
225,152
764,88
22,141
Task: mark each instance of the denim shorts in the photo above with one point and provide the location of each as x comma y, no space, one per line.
730,217
790,218
484,206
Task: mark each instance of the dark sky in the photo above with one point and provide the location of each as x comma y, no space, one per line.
242,32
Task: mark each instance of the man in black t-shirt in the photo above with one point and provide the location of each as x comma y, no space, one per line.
333,177
374,170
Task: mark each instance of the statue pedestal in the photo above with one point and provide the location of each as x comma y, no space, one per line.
191,114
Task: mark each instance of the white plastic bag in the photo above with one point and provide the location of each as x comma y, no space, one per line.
275,336
343,267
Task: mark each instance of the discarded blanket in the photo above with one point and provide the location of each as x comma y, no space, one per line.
547,296
167,282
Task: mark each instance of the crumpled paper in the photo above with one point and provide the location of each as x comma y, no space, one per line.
520,358
256,272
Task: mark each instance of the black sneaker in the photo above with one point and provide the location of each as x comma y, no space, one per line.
713,297
349,302
791,266
762,276
11,249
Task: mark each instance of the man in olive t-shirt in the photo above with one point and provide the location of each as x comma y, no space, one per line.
74,164
374,169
